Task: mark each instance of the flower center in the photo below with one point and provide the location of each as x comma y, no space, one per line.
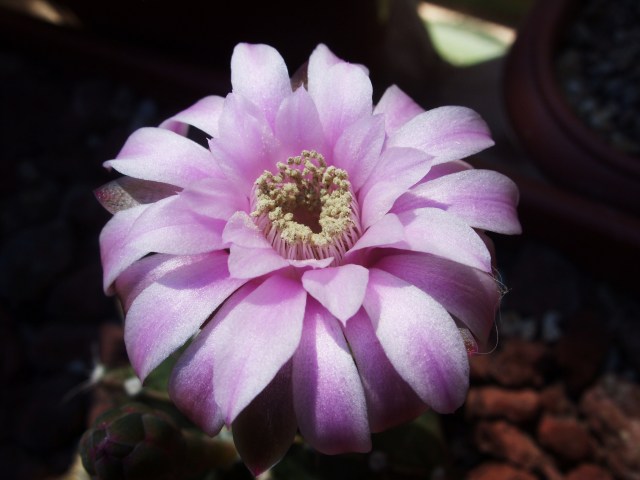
307,209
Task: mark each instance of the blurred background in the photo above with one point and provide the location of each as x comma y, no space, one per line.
558,83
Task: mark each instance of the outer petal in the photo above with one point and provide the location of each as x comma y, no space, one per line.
358,149
112,236
259,73
447,133
264,431
390,400
398,108
128,192
215,197
482,198
167,226
327,392
191,386
253,340
246,144
163,156
397,170
340,289
431,230
420,339
468,294
388,231
298,126
204,115
342,96
320,61
168,312
146,271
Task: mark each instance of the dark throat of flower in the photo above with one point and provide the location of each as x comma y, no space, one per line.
307,209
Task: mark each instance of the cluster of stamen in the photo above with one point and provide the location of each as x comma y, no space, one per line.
307,210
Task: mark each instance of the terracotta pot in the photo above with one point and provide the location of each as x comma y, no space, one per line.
554,137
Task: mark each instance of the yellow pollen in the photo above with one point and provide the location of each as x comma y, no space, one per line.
307,209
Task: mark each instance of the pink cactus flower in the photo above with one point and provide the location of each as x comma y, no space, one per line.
326,256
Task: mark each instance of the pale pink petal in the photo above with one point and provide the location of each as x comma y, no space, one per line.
482,198
320,61
204,115
163,156
264,431
390,400
420,339
112,237
127,192
215,197
253,340
397,170
339,289
388,231
167,226
259,74
358,148
172,309
242,230
398,108
470,295
431,230
245,147
446,133
298,127
147,270
327,392
191,388
342,96
249,262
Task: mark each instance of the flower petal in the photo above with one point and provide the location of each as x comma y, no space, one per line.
388,231
434,231
253,340
112,237
339,289
146,271
397,107
191,384
327,392
358,148
342,96
298,126
264,431
482,198
215,197
245,147
204,115
167,226
420,339
390,400
320,61
446,133
259,73
168,312
397,170
468,294
162,156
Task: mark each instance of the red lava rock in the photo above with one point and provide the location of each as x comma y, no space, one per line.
566,437
581,352
495,402
506,441
480,367
498,471
519,363
589,471
113,352
554,400
612,415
